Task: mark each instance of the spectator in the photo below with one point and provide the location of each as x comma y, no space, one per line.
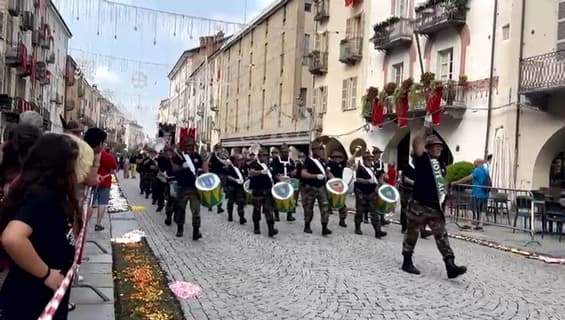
96,137
36,220
481,183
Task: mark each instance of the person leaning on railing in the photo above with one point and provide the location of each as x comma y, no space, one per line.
481,184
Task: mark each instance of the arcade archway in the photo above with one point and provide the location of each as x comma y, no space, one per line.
548,169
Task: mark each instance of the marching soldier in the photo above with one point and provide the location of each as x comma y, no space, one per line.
406,188
234,187
150,169
314,176
218,166
189,164
336,164
261,182
365,194
283,168
426,207
379,169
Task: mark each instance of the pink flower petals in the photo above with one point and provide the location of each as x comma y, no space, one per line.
185,290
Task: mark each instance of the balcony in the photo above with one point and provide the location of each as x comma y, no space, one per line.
351,50
395,35
318,63
322,10
543,75
439,16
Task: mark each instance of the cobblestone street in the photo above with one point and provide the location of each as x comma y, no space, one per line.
344,276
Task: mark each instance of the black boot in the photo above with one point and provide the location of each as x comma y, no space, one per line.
242,218
307,228
230,216
366,217
358,227
180,230
453,270
154,201
408,266
378,232
168,221
289,217
342,223
196,233
256,227
220,209
325,230
159,208
277,216
272,230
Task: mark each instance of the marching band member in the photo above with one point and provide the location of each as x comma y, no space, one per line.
315,177
274,154
427,205
283,168
189,165
336,164
234,187
379,169
218,164
150,169
261,181
365,193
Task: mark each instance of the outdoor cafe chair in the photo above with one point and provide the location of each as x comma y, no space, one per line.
498,204
523,207
555,213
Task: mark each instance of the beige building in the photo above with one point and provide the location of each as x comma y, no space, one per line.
263,78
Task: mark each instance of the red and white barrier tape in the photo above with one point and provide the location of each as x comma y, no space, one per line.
54,303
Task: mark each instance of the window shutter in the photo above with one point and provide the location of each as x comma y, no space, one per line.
324,99
317,45
344,97
353,93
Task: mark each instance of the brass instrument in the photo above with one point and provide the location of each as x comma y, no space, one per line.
357,147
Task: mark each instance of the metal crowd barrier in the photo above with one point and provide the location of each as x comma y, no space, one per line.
511,205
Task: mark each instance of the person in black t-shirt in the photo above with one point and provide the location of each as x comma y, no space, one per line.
161,183
336,164
218,166
261,181
379,169
426,207
189,165
149,173
235,176
39,222
406,188
365,194
314,176
283,168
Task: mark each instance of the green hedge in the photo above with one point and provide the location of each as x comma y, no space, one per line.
459,170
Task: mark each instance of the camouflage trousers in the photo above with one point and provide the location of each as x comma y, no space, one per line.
309,196
236,196
365,203
343,213
263,203
419,216
184,196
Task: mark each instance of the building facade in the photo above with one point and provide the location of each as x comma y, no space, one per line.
135,136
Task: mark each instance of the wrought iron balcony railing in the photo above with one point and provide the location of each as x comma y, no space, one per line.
318,63
543,73
395,35
439,17
322,12
351,50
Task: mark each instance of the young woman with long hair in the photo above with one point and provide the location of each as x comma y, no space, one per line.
38,220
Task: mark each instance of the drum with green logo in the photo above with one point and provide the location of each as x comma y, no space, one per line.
283,197
386,199
248,192
337,193
209,188
295,185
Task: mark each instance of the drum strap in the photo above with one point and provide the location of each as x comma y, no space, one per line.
239,175
320,166
264,166
285,166
189,163
440,182
370,172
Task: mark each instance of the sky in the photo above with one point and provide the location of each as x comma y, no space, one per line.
138,88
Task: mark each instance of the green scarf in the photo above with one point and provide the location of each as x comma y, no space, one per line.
440,181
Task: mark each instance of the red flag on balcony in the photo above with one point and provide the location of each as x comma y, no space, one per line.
349,3
378,114
433,106
402,112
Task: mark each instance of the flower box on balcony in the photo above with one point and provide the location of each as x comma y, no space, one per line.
438,15
318,63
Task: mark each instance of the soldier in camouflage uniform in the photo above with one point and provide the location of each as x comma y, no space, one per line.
365,193
234,187
261,182
336,164
314,176
427,205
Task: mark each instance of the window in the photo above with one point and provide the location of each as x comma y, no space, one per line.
227,117
302,97
282,52
321,42
228,82
349,94
236,115
248,112
252,34
400,10
263,109
322,93
284,15
445,64
354,27
280,103
306,49
561,26
308,5
251,67
506,32
265,63
266,29
238,75
398,72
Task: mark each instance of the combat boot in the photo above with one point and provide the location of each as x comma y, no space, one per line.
272,230
408,266
325,230
453,270
180,230
289,217
168,220
242,219
277,216
256,227
366,217
378,232
342,223
307,228
230,215
196,233
358,227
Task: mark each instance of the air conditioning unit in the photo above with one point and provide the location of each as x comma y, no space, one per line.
27,21
15,7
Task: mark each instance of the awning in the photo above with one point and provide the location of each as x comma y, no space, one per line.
291,138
